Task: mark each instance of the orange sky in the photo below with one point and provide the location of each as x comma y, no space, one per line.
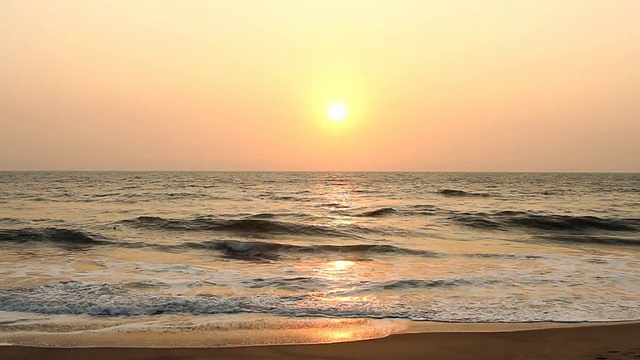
244,85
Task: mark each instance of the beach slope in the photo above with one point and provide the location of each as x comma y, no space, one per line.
610,341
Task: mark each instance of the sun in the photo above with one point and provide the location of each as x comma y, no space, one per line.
337,111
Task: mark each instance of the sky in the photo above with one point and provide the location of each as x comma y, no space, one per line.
543,85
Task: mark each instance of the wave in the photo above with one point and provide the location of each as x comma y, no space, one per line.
268,215
424,210
58,236
234,249
553,192
250,226
128,299
335,205
506,256
424,207
262,216
110,300
106,195
413,210
301,283
261,250
316,284
418,284
11,220
280,197
378,212
101,299
477,221
569,222
288,198
505,220
461,193
146,285
592,239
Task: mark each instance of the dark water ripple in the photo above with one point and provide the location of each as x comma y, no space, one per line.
242,226
461,193
235,249
508,220
58,236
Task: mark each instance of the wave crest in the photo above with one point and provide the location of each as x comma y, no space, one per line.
261,250
505,220
592,239
58,236
378,212
250,226
460,193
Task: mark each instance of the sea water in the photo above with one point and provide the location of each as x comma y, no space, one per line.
152,249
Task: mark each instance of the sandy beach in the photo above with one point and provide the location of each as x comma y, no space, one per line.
602,341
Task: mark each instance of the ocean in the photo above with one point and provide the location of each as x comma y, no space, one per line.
88,254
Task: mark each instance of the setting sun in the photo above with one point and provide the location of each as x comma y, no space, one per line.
337,112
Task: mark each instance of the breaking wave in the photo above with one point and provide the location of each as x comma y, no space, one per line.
128,299
100,299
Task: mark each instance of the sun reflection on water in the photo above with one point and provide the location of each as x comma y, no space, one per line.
340,273
339,265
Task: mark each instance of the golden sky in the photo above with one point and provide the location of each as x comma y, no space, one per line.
551,85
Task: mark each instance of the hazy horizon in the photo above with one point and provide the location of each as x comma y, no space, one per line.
417,86
326,171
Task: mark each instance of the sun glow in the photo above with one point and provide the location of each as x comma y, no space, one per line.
337,111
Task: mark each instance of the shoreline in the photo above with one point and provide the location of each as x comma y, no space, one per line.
230,330
574,341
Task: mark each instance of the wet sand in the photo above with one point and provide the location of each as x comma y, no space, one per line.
602,341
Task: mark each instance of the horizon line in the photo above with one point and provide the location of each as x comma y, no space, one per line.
348,171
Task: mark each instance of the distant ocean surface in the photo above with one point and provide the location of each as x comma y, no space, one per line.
445,247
